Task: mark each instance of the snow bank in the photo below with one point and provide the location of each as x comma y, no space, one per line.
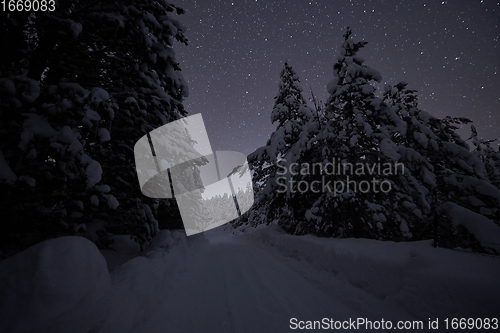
145,282
170,239
64,285
60,285
422,280
485,231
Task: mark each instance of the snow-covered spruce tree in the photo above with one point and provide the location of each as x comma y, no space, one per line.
45,170
461,178
92,79
488,155
293,118
400,110
439,168
288,102
143,77
353,134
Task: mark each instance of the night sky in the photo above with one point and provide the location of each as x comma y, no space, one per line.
447,50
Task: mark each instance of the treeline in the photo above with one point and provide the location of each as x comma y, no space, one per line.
370,163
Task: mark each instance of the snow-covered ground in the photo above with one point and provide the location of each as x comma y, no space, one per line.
253,280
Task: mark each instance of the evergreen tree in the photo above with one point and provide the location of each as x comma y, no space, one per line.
294,119
289,103
439,168
488,155
85,83
291,113
354,133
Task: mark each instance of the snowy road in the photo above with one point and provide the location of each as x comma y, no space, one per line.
231,287
255,281
243,284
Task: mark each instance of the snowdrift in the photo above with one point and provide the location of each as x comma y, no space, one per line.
425,281
60,285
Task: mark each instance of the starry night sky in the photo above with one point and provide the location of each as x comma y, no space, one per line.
447,50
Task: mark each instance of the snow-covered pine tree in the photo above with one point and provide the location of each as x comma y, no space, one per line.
92,78
353,132
294,119
46,171
400,110
289,100
488,155
439,168
143,77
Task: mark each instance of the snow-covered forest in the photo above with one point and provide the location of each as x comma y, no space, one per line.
365,206
79,87
370,163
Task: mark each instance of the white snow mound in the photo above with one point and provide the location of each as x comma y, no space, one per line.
60,285
486,232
